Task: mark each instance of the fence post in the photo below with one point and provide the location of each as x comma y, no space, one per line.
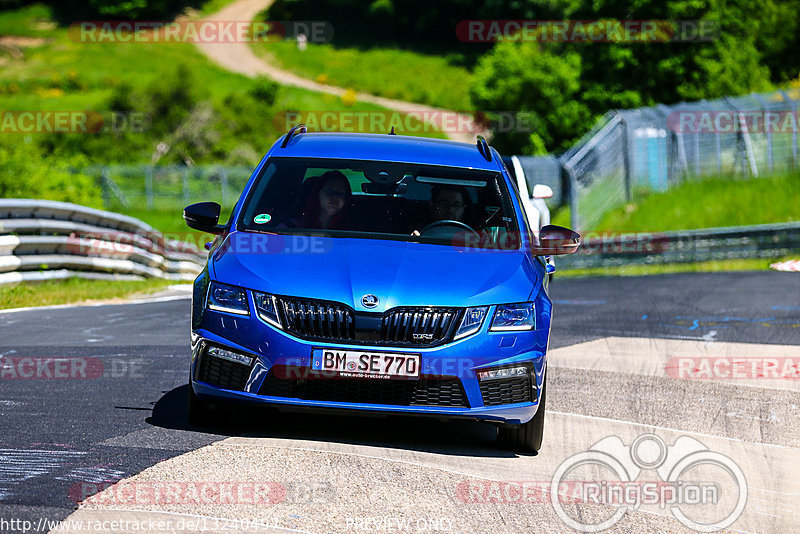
573,197
223,181
185,184
748,156
697,170
148,186
764,107
105,187
793,108
626,155
682,155
110,187
748,145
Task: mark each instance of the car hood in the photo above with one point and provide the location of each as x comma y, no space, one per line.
397,272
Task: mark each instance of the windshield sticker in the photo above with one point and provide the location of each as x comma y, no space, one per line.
262,218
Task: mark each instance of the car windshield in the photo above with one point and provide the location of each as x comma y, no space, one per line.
381,200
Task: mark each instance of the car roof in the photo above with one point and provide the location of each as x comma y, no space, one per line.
385,147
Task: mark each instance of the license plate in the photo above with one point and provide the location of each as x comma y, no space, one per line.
358,364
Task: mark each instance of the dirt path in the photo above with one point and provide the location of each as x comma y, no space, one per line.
238,57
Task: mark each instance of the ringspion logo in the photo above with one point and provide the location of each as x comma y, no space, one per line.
704,490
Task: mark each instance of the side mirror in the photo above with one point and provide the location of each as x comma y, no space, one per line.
556,240
542,191
203,216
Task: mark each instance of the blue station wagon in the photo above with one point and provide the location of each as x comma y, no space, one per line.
377,273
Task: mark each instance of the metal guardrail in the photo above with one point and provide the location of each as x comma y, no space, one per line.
44,239
688,246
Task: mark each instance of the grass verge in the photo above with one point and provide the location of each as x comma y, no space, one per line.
391,73
74,290
61,73
710,203
754,264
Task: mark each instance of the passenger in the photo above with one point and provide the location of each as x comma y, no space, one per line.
328,205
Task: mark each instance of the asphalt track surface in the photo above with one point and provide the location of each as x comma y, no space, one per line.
60,435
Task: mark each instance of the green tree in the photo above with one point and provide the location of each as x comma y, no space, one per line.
528,77
754,47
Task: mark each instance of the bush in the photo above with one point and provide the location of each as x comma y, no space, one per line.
182,124
265,90
24,173
67,11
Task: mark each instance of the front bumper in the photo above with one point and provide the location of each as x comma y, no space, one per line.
272,348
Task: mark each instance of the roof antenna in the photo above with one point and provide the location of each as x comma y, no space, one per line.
392,132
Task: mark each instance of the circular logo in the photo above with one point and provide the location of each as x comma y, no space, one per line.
262,218
369,301
648,451
687,469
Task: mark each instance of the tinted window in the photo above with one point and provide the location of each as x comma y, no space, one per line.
379,200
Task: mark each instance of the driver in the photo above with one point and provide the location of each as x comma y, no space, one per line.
447,203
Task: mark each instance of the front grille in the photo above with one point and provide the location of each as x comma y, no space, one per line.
222,373
418,326
506,390
317,319
427,391
320,320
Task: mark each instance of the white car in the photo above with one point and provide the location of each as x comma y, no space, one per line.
535,206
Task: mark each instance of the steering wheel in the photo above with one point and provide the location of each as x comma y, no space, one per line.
449,222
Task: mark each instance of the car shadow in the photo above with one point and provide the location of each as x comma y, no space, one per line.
423,434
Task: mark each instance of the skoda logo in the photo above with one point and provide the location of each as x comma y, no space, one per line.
369,301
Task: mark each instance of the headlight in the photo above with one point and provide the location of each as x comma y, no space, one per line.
471,323
225,298
267,308
521,316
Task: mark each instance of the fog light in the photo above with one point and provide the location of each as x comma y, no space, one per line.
508,372
229,355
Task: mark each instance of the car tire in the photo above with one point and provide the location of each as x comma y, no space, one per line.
526,437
